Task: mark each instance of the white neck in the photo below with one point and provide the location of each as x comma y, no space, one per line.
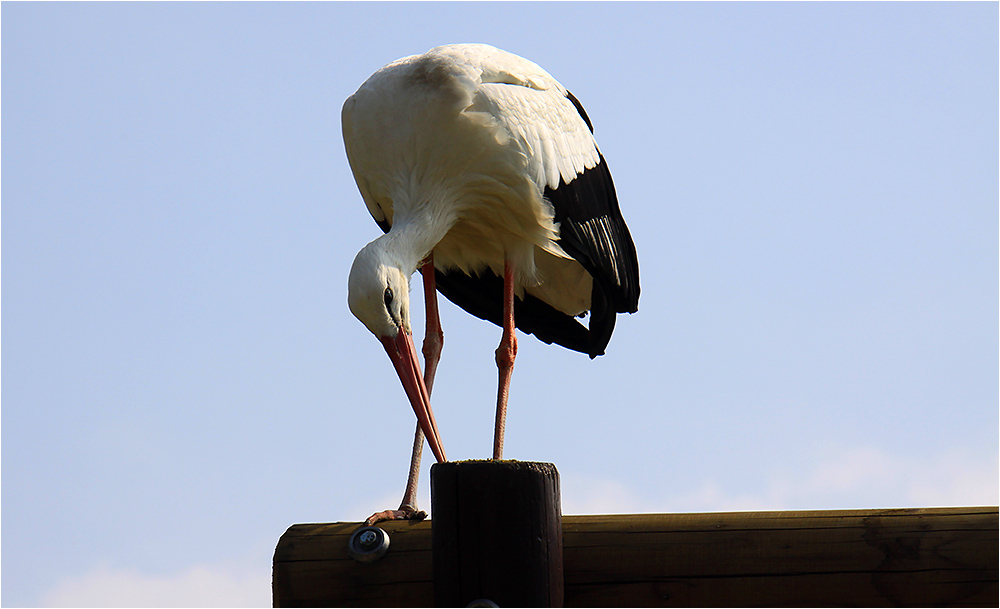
411,239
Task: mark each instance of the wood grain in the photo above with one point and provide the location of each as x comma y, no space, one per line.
894,557
497,522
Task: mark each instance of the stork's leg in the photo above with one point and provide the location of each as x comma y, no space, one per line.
433,336
506,353
433,341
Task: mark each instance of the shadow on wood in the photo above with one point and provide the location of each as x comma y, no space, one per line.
912,557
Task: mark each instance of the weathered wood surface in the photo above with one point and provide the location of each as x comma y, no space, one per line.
496,522
900,557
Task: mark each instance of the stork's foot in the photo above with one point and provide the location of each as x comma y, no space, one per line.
405,512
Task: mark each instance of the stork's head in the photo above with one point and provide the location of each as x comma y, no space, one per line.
378,293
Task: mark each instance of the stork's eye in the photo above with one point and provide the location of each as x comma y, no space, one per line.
387,296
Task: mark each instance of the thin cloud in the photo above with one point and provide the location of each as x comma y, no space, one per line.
197,586
844,478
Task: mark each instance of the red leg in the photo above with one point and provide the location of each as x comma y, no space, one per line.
433,341
408,506
433,335
506,353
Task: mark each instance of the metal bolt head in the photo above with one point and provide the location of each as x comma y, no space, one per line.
368,540
368,544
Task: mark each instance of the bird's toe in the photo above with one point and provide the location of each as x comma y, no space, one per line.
405,512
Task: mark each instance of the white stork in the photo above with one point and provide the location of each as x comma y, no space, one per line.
483,172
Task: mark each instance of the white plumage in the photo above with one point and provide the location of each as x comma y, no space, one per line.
480,160
469,150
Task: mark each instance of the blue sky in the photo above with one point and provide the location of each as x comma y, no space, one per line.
812,189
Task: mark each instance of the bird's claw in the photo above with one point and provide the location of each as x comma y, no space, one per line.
405,512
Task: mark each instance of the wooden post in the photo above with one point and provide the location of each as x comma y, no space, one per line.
945,557
497,533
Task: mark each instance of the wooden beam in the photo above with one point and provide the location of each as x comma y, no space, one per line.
912,557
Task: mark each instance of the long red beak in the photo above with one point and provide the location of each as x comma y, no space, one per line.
404,358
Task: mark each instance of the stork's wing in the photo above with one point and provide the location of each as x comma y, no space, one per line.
554,131
347,124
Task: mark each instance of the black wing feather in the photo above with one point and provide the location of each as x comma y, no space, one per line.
592,230
482,296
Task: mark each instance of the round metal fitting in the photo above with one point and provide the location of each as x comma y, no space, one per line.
368,544
482,602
